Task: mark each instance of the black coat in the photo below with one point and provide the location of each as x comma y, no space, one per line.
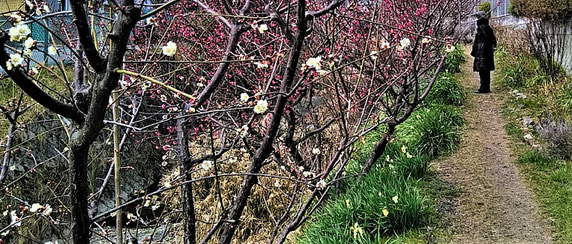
484,46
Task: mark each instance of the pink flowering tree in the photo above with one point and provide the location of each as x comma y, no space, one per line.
260,104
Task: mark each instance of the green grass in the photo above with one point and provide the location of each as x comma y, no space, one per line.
552,184
550,179
402,172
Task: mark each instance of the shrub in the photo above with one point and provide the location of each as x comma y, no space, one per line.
446,91
432,130
554,9
455,59
364,206
558,133
486,7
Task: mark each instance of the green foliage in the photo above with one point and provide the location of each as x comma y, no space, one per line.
486,7
553,9
433,131
364,206
429,132
455,59
446,91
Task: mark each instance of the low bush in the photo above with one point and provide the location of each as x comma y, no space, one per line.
558,133
446,91
486,7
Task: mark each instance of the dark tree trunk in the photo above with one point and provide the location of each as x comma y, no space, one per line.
187,189
7,153
379,149
79,190
233,220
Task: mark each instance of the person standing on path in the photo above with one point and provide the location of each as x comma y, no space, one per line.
484,48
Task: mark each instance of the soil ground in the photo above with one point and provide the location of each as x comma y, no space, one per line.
494,204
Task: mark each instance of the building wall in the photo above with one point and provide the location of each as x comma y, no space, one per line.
9,5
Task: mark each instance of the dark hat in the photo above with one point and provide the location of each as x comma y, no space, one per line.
481,15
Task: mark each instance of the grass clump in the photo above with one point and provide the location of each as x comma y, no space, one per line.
455,59
433,130
446,91
368,212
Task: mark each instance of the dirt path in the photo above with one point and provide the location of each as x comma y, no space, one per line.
495,204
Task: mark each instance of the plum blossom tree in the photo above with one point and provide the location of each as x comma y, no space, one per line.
259,103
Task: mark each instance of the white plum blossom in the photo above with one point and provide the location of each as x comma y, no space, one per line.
405,42
170,49
27,52
47,210
321,184
244,131
262,28
450,48
425,40
16,18
373,55
15,61
261,65
52,50
46,8
385,45
15,219
244,97
207,165
29,43
19,33
261,106
316,151
35,207
30,4
307,174
33,71
314,63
